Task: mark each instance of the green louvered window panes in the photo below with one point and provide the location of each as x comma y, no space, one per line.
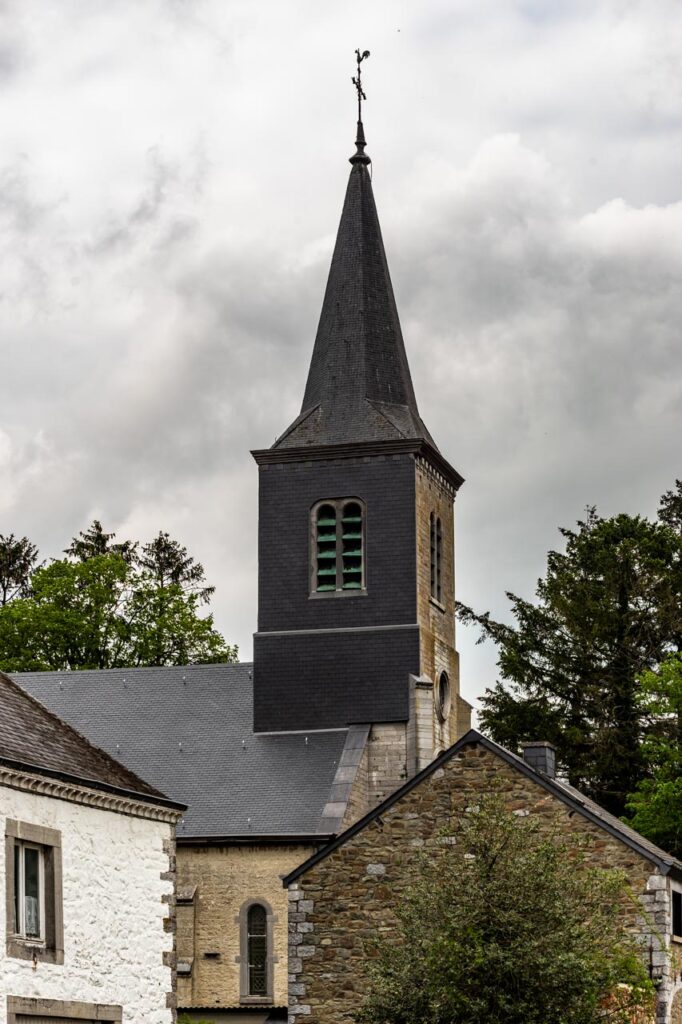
337,549
325,544
351,536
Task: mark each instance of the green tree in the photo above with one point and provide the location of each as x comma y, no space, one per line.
95,541
504,924
656,805
168,564
18,559
608,609
103,607
670,508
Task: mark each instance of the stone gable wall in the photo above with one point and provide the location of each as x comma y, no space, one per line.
348,898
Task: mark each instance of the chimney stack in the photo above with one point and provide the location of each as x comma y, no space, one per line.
541,756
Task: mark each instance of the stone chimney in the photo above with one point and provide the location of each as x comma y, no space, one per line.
541,756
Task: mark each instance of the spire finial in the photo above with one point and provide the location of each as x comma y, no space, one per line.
360,157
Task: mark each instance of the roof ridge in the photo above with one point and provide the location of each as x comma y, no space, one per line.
644,848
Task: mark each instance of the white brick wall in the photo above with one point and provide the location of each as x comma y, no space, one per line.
114,937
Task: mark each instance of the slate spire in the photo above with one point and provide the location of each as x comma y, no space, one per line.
359,387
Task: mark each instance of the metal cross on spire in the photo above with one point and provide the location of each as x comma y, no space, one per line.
357,80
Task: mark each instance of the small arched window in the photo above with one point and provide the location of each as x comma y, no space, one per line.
338,546
257,950
256,957
436,546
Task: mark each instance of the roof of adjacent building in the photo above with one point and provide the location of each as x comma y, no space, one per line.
34,738
575,800
189,730
359,385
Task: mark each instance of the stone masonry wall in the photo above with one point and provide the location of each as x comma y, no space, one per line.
349,896
225,878
437,619
386,761
118,904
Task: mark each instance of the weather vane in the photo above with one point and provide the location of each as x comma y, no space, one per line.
357,80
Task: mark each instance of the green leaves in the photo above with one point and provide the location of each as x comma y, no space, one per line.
508,925
608,608
656,805
105,606
17,561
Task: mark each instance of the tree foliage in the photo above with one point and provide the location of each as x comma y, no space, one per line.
608,609
107,605
504,924
18,558
95,541
656,805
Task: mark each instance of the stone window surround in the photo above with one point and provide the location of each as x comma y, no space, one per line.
338,504
675,886
18,1007
245,999
50,951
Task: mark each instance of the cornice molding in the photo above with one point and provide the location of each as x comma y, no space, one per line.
73,793
361,450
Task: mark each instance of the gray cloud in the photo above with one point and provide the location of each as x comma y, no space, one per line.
172,184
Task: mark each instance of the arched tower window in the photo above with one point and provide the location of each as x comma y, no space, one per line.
436,546
338,546
256,957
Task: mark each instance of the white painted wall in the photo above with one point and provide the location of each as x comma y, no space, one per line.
114,937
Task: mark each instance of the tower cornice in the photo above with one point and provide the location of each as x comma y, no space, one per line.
361,450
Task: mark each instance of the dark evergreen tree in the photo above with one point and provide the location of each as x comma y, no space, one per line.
608,609
168,563
18,559
95,541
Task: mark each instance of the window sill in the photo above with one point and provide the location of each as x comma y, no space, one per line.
256,1001
436,604
325,594
677,939
26,949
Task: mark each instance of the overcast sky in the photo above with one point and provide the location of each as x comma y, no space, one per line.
171,178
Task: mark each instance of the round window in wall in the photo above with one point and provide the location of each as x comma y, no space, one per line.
443,697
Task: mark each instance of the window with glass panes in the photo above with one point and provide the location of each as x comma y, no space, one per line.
338,552
257,950
29,890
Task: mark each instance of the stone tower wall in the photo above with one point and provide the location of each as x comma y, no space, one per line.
436,619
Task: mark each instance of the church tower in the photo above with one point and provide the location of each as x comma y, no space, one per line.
356,618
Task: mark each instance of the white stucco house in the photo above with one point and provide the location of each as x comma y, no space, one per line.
87,873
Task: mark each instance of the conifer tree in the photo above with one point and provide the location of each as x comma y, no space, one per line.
608,609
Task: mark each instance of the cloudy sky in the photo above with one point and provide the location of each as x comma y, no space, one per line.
171,177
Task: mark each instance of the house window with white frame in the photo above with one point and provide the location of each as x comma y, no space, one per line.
34,912
29,890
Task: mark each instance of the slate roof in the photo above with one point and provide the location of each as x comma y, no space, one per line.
189,730
32,736
567,794
359,385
